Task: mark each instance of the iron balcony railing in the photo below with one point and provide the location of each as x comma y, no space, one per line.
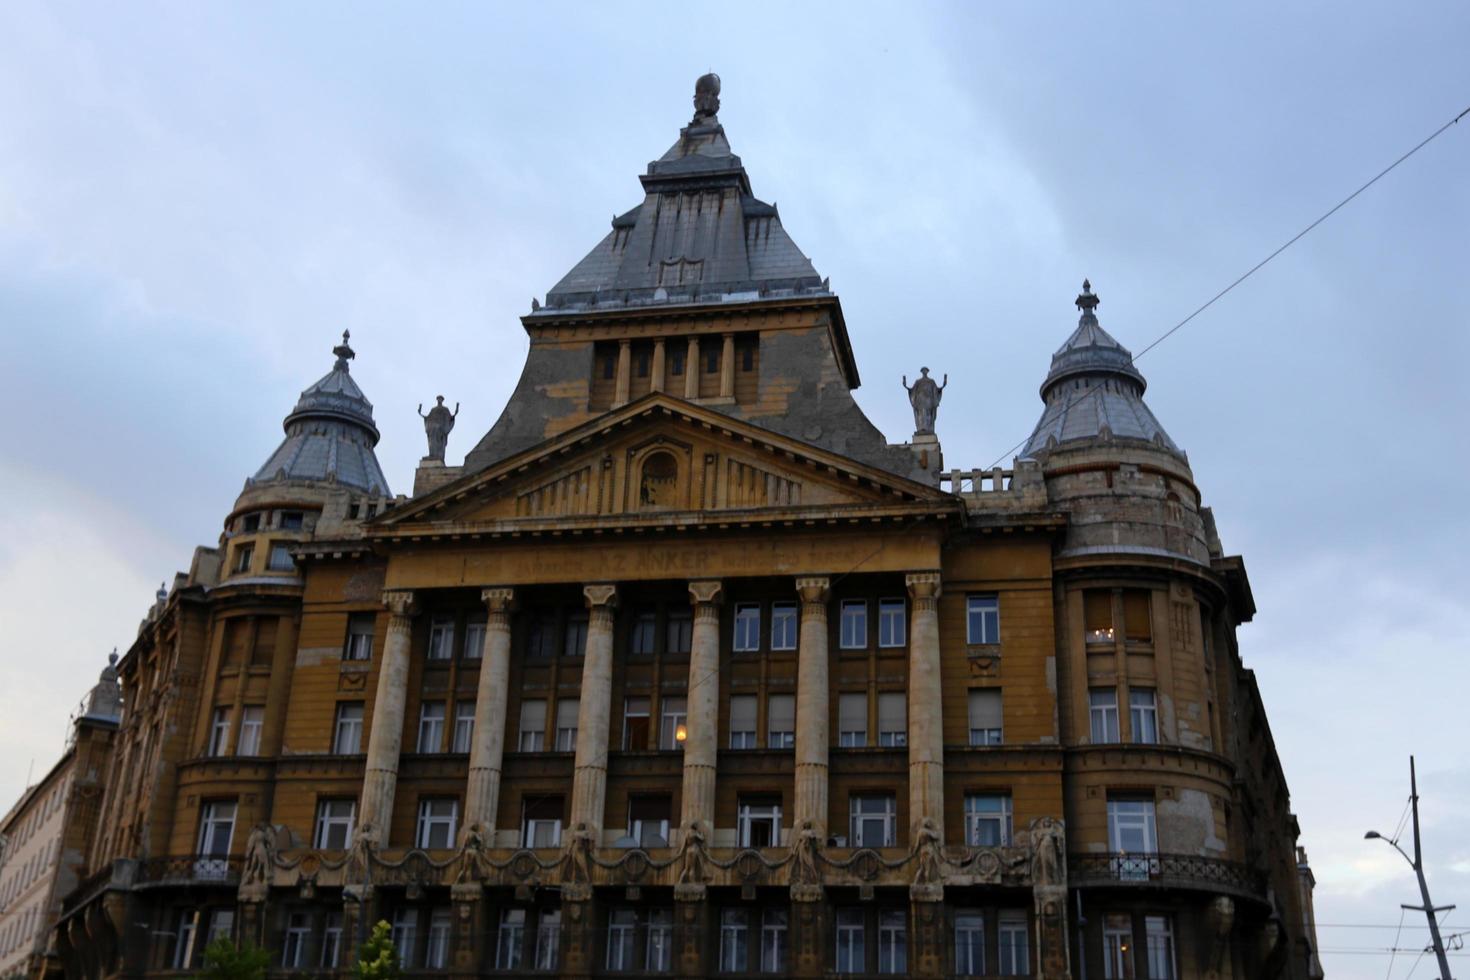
1165,870
190,869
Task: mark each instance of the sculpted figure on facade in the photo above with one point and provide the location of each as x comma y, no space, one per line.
924,396
1048,844
438,422
693,872
578,855
471,862
260,855
360,855
808,840
926,852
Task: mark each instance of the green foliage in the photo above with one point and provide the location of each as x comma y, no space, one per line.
223,960
377,959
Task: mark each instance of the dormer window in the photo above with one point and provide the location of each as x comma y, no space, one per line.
292,520
250,523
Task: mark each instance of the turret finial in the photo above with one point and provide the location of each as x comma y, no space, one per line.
344,352
1087,301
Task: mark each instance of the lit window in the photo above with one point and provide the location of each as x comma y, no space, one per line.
548,940
334,820
758,822
645,629
982,619
742,721
988,819
441,638
464,726
985,717
852,720
747,627
1143,715
873,820
635,724
1118,956
438,820
734,938
1103,712
1097,616
431,726
511,939
773,941
783,626
474,637
892,625
359,637
1159,932
541,822
969,943
892,941
851,954
854,625
781,721
347,737
566,724
252,719
298,930
280,559
679,633
675,716
532,731
219,732
893,728
1015,949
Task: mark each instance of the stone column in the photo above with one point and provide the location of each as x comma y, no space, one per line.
625,372
701,747
385,741
812,708
589,778
487,749
727,368
691,370
926,688
656,379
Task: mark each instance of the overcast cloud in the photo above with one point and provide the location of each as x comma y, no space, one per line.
195,200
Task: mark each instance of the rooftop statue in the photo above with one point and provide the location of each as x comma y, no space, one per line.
924,396
706,96
437,424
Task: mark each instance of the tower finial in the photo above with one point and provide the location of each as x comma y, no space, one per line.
1087,302
344,352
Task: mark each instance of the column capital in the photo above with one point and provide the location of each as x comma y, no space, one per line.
813,588
400,602
705,592
923,585
498,600
602,595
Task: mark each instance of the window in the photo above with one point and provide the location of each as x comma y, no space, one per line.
635,724
781,721
873,819
852,720
510,940
532,732
221,925
609,367
436,954
773,940
783,626
1097,617
988,819
1132,837
541,822
622,925
405,935
679,633
1015,952
1143,715
250,523
747,358
982,619
892,941
541,638
851,954
985,717
676,362
216,828
892,632
548,940
1137,623
438,819
219,732
969,943
298,930
251,720
183,957
1159,932
1118,947
474,637
575,642
893,726
334,820
641,363
758,821
441,637
566,724
347,736
280,559
464,726
747,627
734,933
674,717
854,625
331,941
243,556
431,726
1103,709
742,721
712,361
659,949
359,637
292,520
645,630
648,820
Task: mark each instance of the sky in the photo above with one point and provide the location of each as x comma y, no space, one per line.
196,199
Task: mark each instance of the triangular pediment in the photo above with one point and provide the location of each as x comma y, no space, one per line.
661,457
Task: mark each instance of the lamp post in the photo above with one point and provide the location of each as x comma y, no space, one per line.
1417,863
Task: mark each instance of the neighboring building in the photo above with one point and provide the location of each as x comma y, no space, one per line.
688,670
46,836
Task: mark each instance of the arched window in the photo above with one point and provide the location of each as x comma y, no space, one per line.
660,480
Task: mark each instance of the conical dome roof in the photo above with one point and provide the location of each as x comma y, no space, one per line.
1093,391
330,434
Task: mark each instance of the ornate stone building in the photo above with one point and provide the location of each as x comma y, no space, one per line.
687,670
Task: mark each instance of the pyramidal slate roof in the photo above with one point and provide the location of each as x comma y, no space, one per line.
1093,391
330,434
699,236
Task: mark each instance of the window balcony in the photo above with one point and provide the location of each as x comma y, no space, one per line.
1178,871
190,869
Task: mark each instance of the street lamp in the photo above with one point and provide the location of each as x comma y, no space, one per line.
1417,863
